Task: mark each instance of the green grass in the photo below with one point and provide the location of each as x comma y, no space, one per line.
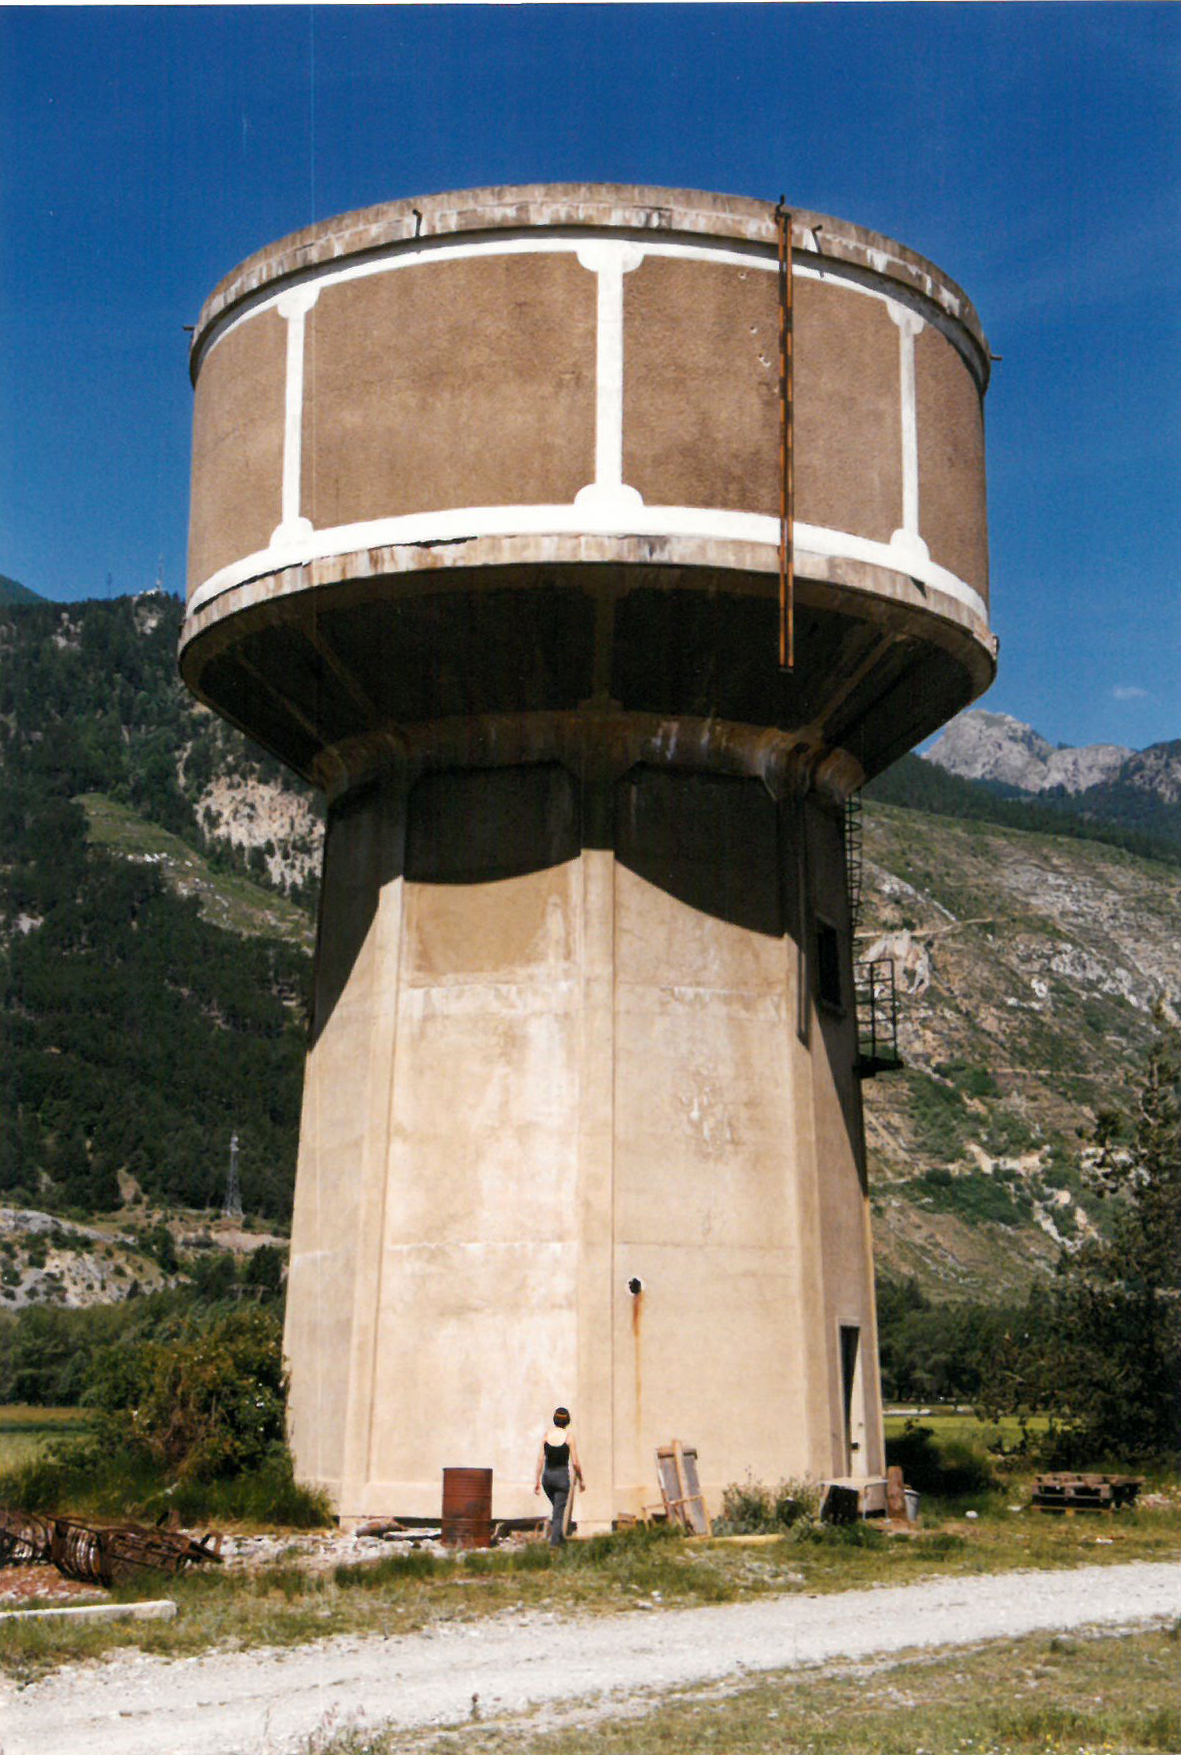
226,898
27,1433
1110,1695
965,1425
101,1482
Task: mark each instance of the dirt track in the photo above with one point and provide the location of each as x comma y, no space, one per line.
271,1702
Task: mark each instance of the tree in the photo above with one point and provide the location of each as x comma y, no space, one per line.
1117,1312
263,1271
203,1403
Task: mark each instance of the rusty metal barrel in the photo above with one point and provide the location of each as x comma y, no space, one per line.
467,1507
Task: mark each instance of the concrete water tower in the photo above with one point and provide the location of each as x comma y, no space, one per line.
488,542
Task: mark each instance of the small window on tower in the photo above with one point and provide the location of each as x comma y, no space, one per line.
828,965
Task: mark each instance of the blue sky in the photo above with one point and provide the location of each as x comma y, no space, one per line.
1034,152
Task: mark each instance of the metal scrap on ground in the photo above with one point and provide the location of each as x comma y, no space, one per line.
99,1553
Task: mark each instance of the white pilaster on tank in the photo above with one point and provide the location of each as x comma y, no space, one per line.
607,496
911,551
293,306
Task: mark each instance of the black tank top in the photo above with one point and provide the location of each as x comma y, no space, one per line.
557,1456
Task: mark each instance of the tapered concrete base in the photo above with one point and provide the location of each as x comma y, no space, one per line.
569,1042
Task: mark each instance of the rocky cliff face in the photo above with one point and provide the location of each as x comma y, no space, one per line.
993,746
1029,970
267,815
1155,771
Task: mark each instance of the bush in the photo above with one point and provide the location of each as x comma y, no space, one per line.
158,1242
952,1468
203,1405
90,1479
263,1270
974,1081
267,1493
751,1508
975,1196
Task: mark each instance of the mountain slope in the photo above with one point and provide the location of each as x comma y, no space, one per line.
224,897
979,745
155,882
1138,791
12,591
135,1034
917,784
90,702
1143,795
1030,966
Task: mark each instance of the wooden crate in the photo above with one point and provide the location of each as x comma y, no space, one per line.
845,1498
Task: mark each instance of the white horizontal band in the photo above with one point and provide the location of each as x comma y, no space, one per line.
420,253
604,514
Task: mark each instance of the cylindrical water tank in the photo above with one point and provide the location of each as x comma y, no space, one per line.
415,407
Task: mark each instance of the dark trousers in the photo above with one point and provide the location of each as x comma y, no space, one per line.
555,1484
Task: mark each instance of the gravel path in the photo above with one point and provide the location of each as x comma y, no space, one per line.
272,1702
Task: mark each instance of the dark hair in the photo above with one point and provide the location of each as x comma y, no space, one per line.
561,1416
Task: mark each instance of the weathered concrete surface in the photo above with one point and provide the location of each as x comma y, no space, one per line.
689,212
544,376
527,1091
163,1610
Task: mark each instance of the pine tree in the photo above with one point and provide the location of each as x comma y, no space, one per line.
1117,1314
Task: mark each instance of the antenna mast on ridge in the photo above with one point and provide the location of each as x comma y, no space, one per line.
233,1202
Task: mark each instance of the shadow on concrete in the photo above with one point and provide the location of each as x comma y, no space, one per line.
476,825
712,841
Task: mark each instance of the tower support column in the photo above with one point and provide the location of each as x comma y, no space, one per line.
597,1293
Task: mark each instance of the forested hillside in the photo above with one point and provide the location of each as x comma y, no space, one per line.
136,1036
90,702
1109,789
1117,814
12,591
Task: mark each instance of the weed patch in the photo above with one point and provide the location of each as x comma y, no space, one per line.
397,1569
534,1557
750,1508
842,1535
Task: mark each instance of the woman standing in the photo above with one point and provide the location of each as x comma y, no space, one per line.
558,1468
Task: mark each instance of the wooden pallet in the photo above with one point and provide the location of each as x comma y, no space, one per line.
680,1488
1068,1493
